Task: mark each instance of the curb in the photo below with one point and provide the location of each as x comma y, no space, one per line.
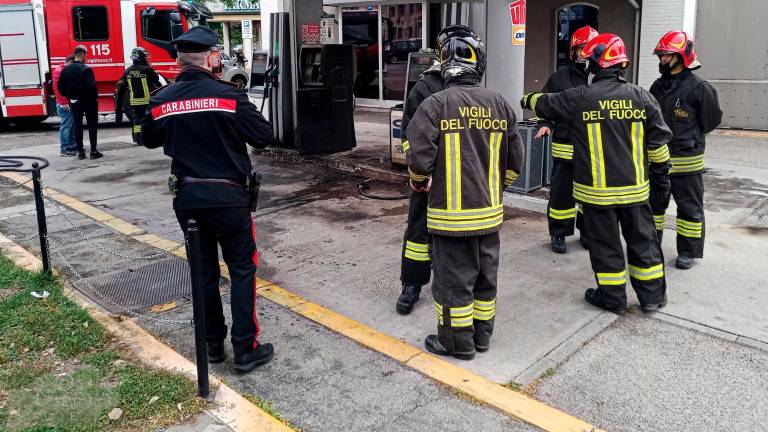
460,380
230,407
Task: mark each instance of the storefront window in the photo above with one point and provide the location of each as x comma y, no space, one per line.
401,35
570,19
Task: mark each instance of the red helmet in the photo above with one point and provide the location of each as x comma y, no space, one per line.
606,50
678,42
582,36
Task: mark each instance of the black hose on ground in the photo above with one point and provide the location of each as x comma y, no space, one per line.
364,186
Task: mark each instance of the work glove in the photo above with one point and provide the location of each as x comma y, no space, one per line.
421,186
661,186
525,102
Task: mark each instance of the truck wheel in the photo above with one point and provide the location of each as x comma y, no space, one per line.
240,81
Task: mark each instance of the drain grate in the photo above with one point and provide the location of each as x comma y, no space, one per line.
71,235
140,287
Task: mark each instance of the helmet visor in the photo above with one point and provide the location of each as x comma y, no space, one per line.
458,49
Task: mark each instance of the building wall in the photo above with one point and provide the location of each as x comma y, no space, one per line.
616,16
659,17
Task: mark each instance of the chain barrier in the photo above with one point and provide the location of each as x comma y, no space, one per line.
84,282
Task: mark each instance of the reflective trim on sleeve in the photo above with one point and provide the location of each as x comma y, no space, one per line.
659,155
686,164
562,214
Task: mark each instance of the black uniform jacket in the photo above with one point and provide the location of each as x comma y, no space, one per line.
616,129
77,82
430,83
141,80
563,79
465,137
692,110
204,124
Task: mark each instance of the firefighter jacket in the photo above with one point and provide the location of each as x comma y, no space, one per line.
203,124
78,83
692,110
430,83
616,128
465,137
141,80
563,79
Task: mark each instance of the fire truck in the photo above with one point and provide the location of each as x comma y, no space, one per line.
37,35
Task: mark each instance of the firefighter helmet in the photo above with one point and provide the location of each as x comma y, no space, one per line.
606,50
678,42
139,53
583,35
461,53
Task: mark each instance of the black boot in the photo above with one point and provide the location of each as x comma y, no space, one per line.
558,244
433,345
216,352
593,297
96,155
684,262
408,299
653,307
482,346
249,360
81,155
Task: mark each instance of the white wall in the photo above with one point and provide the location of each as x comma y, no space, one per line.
659,17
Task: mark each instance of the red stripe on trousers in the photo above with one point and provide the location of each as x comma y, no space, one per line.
256,263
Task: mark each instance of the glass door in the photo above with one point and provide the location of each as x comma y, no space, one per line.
401,35
360,27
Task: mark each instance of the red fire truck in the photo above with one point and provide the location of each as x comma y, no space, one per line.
37,35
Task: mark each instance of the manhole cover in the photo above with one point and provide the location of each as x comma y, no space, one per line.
138,288
71,235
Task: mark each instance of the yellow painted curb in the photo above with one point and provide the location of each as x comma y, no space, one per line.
459,379
229,407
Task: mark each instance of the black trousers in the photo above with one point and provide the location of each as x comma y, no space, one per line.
646,263
138,112
688,192
90,110
416,263
464,290
561,209
233,230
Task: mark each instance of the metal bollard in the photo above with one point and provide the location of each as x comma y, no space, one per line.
42,227
198,307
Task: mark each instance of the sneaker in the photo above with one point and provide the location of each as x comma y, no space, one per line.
81,155
593,297
684,262
249,360
96,155
558,244
216,353
408,299
67,153
433,345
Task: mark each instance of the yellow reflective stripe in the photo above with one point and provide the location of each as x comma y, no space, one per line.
534,99
619,278
464,214
460,311
494,187
484,310
686,164
647,273
416,256
465,226
439,310
484,304
484,315
417,177
607,201
595,135
462,322
613,195
566,156
659,155
562,151
690,234
689,228
461,316
416,251
562,214
637,151
510,177
406,146
689,224
417,247
659,221
139,100
457,161
137,128
453,171
562,147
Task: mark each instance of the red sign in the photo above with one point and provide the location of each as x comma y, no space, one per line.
517,12
310,33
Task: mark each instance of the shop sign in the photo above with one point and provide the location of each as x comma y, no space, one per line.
310,33
517,11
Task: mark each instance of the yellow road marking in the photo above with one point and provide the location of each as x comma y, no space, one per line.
459,379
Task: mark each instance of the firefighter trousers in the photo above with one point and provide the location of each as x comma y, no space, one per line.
688,192
561,209
233,229
646,263
464,290
416,263
138,113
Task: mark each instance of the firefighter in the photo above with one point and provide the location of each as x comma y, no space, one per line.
620,160
561,209
203,124
692,110
464,150
140,80
416,264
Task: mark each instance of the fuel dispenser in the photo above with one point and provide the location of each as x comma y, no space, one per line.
418,63
310,84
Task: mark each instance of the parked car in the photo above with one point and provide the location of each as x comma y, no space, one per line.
232,72
397,51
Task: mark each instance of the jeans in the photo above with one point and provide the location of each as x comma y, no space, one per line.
90,110
65,130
